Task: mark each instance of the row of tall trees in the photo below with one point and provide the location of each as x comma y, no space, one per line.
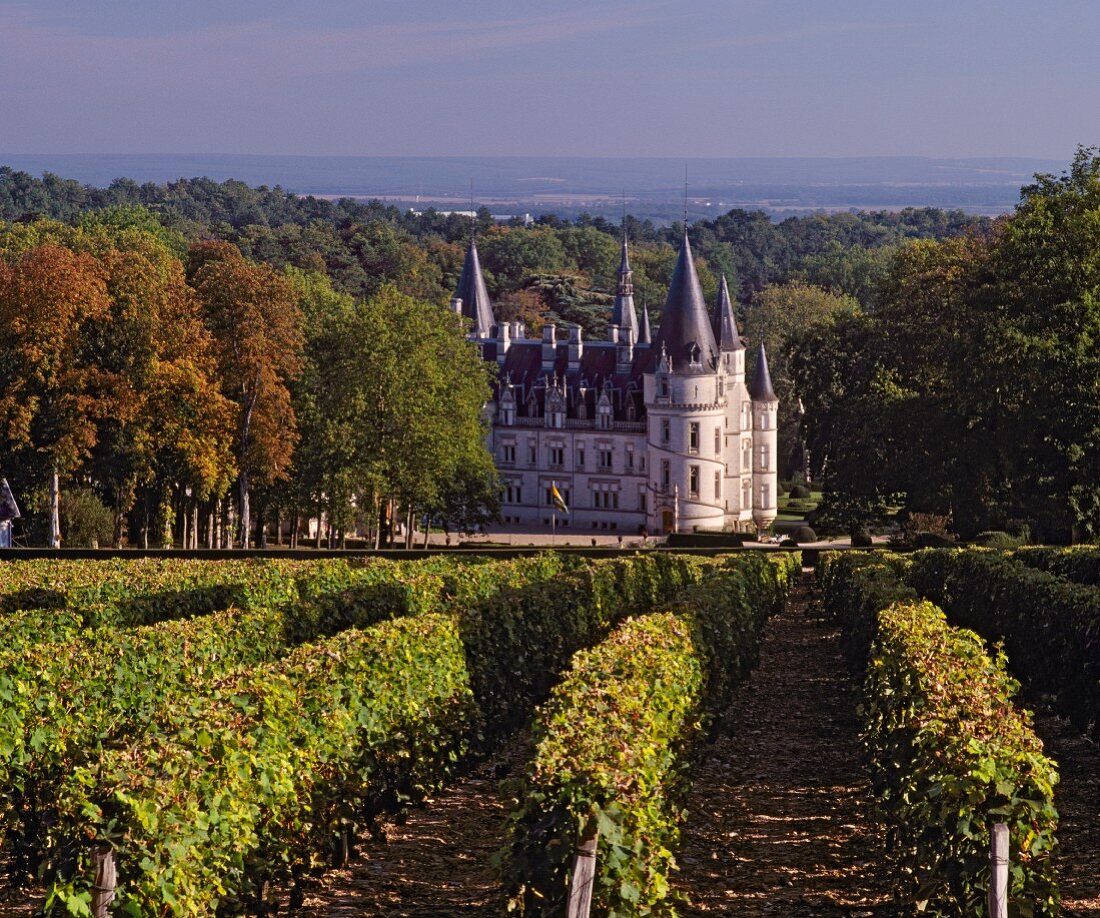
175,382
970,387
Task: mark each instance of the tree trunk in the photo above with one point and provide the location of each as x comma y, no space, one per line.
279,528
195,526
409,527
54,534
294,528
320,528
246,512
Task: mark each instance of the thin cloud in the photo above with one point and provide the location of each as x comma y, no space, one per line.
267,49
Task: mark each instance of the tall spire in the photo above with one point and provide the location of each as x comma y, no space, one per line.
723,321
474,294
685,328
623,314
646,337
760,389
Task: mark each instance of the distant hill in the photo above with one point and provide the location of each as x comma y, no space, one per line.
653,187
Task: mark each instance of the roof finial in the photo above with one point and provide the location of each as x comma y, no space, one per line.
685,197
473,210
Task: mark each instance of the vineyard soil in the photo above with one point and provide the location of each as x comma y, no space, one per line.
779,818
1077,797
435,861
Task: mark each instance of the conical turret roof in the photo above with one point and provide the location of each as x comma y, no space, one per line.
623,314
474,294
646,337
724,323
760,389
685,328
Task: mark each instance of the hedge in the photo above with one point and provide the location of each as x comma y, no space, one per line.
949,752
1080,564
1050,625
61,702
246,779
612,743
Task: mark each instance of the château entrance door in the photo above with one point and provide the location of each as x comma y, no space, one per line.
668,521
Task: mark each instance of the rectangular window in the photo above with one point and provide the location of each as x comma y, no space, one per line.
693,481
605,458
718,441
764,497
763,457
580,457
532,453
693,437
508,453
763,416
641,500
641,462
666,430
630,455
557,456
746,495
746,457
718,484
666,475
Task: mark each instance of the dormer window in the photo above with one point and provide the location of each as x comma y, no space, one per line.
662,387
694,352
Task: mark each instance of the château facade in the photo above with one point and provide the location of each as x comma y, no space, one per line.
655,432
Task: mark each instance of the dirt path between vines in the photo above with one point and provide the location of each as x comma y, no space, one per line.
435,862
780,818
1077,797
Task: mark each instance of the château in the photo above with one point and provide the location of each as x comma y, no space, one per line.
641,432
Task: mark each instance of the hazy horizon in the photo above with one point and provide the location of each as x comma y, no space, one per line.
599,78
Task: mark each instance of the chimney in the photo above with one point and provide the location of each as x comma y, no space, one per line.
456,304
576,348
613,333
549,348
504,340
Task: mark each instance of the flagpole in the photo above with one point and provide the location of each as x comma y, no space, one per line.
553,513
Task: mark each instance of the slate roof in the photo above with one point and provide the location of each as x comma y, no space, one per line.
474,294
685,330
760,389
723,321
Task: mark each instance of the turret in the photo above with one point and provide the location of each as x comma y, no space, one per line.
472,296
685,330
730,345
685,411
646,337
623,315
765,441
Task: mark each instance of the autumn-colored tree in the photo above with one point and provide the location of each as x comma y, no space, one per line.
172,427
51,396
252,311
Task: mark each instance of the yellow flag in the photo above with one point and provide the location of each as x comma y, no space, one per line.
559,501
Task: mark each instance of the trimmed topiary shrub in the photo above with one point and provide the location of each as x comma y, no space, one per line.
861,538
799,492
997,539
804,534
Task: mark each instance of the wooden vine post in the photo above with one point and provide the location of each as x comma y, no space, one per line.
105,878
998,873
584,873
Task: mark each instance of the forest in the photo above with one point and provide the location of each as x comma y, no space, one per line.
191,363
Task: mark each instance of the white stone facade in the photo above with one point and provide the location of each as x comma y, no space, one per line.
634,440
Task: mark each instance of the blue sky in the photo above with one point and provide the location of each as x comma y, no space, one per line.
601,77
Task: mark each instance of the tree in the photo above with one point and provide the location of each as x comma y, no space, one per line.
416,394
1047,283
776,315
51,396
253,314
